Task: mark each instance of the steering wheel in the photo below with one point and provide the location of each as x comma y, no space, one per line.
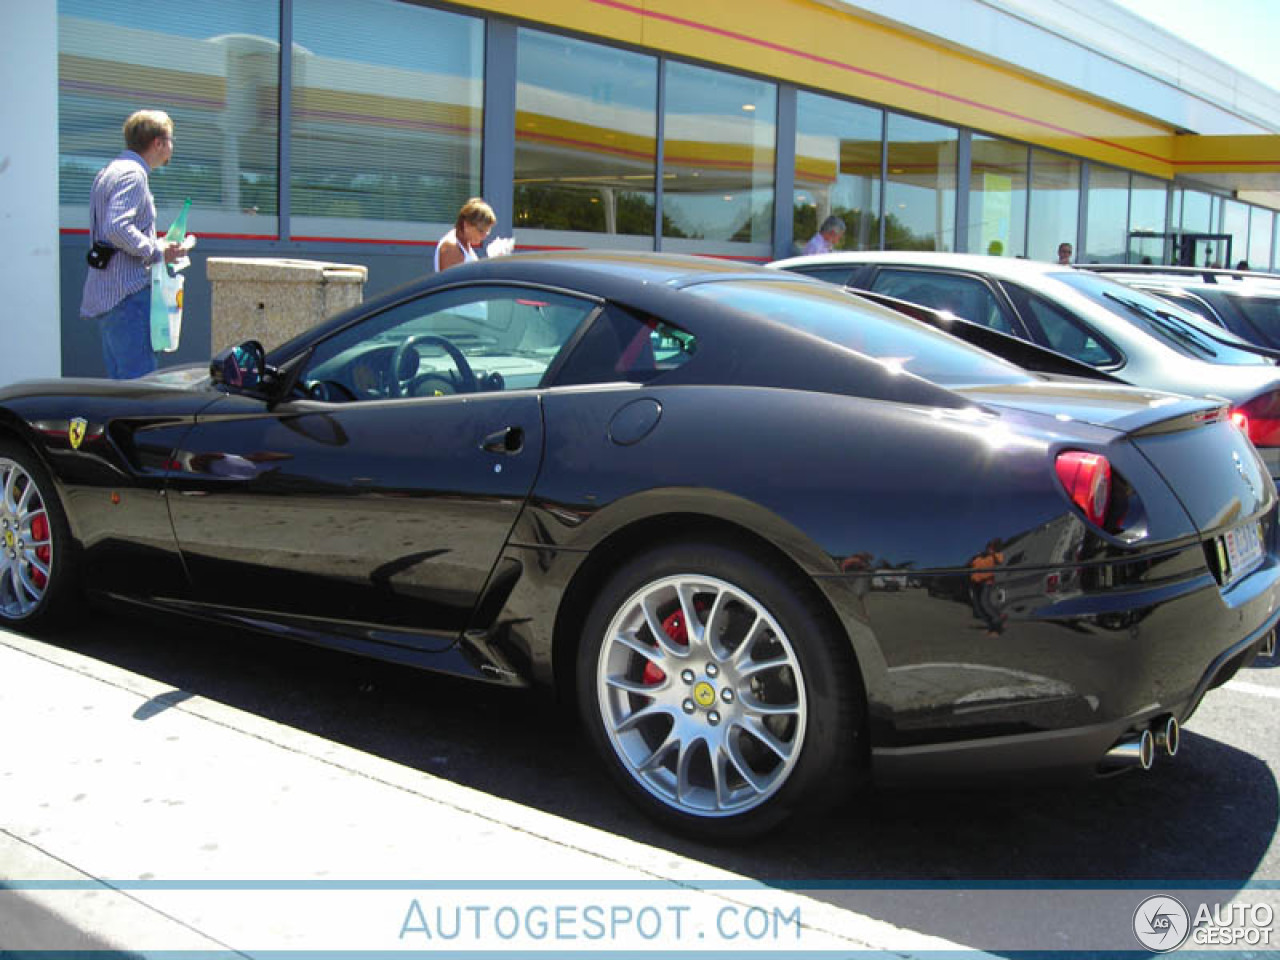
466,377
329,391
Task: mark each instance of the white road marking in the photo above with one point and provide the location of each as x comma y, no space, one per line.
1255,688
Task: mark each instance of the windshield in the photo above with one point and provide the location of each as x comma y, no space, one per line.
841,318
1184,331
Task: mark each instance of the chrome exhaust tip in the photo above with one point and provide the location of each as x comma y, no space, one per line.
1168,735
1136,750
1268,648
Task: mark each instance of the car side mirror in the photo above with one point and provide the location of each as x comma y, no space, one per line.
242,367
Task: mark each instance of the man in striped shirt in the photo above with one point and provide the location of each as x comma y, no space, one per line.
122,215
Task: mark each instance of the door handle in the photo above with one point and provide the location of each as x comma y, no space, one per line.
509,440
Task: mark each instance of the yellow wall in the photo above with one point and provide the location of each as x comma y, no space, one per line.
816,46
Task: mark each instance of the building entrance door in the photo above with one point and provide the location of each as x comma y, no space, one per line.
1203,250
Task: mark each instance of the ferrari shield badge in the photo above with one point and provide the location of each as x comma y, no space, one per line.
75,431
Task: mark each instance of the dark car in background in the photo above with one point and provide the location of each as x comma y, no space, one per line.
769,536
1246,303
1133,335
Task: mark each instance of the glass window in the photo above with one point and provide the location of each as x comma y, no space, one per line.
1147,204
586,142
1196,215
1260,228
997,197
839,275
1051,326
1263,313
387,118
1235,222
1055,203
1107,223
214,68
463,340
834,315
920,196
1197,209
719,137
838,149
621,346
965,297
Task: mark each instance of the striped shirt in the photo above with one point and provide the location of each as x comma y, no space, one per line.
122,213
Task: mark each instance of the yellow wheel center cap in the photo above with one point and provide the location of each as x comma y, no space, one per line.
8,539
704,694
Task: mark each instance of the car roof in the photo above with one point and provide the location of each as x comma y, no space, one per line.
1208,279
1011,267
759,350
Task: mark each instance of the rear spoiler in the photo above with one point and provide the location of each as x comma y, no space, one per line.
1029,356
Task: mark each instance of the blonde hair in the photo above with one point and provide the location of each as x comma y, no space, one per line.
477,213
144,126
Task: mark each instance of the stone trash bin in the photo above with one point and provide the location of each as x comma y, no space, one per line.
272,300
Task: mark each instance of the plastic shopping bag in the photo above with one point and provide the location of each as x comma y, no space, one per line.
500,246
166,288
166,307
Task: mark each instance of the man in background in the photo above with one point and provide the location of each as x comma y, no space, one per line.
1064,254
828,236
122,229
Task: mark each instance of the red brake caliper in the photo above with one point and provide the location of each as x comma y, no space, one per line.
675,629
40,531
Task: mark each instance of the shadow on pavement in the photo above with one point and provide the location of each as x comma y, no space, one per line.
1164,828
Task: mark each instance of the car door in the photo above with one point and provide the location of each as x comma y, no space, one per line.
375,500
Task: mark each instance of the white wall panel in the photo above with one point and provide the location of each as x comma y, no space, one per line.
29,316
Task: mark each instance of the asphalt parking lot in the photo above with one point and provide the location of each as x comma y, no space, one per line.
322,795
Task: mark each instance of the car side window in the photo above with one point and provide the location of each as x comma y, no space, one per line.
965,297
462,340
624,346
839,275
1057,329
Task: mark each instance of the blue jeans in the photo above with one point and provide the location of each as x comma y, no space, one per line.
126,337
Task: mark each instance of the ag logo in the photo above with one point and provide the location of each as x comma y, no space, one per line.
75,432
1161,924
1240,467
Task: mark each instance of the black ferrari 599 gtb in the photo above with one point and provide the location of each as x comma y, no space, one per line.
770,537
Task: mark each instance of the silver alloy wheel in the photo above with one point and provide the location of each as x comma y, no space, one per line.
711,726
27,558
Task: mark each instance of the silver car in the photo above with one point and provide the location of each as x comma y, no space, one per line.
1138,338
1247,304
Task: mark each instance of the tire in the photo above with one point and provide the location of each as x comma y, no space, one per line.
723,731
37,555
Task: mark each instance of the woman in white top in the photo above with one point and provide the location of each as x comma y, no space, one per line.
475,220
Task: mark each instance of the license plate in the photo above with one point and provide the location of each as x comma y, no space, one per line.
1244,550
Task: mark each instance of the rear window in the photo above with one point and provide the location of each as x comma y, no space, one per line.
1180,329
877,332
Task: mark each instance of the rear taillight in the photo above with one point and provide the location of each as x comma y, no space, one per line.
1260,419
1087,477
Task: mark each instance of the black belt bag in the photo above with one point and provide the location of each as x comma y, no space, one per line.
100,255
